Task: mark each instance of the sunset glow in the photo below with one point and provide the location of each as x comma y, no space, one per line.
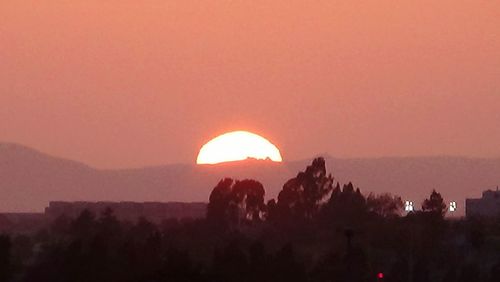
237,146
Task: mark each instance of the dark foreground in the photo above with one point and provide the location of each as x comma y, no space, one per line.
314,231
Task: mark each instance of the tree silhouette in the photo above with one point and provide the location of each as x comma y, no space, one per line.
219,201
302,195
108,224
434,205
249,196
234,202
346,205
385,205
364,236
84,225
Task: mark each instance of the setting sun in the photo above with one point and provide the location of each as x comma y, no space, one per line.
237,146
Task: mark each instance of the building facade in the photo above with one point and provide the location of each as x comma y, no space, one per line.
487,206
153,211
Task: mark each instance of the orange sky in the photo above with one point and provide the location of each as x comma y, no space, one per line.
119,85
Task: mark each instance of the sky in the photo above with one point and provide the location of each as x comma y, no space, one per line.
135,83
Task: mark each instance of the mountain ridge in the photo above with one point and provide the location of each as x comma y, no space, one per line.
29,179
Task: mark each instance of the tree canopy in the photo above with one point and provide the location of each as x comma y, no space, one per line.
302,195
234,202
434,205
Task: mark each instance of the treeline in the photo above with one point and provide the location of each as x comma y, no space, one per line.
310,196
316,230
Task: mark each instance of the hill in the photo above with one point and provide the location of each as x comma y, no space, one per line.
30,179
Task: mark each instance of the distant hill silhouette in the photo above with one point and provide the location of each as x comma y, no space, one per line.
30,179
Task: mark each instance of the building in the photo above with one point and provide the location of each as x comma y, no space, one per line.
128,211
153,211
487,206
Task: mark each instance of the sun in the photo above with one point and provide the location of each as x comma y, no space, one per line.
237,146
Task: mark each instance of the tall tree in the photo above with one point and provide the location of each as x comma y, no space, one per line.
347,204
249,194
434,205
302,195
219,201
233,202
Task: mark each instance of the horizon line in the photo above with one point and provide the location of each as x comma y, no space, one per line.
284,161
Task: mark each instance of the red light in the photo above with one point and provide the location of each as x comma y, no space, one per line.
380,275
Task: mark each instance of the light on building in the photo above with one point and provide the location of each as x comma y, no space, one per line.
408,206
453,206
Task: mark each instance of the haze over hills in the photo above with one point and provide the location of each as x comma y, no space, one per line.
30,179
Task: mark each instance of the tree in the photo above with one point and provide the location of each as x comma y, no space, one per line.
302,196
434,205
218,204
384,205
347,204
84,226
233,202
108,225
249,194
